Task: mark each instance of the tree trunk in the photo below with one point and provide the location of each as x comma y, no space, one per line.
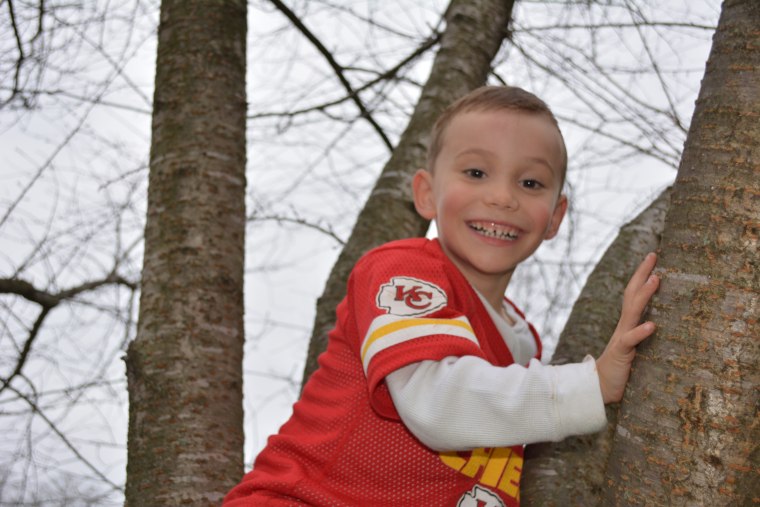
184,368
688,429
571,472
474,33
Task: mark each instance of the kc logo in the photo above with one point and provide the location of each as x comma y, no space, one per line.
409,297
415,297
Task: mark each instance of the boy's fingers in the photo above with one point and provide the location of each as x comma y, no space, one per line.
642,273
642,296
639,291
638,334
635,305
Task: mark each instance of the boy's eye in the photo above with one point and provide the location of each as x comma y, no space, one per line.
475,173
532,184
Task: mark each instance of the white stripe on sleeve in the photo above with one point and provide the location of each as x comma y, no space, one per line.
389,330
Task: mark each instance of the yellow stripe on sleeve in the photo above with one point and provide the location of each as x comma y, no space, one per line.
389,330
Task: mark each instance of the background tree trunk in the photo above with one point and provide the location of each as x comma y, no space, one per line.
571,472
475,30
185,442
688,429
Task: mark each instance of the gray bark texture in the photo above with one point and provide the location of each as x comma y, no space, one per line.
688,429
184,370
475,30
571,472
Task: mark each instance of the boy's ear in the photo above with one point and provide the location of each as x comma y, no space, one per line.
559,213
422,189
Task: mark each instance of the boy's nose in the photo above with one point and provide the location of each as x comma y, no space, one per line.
502,196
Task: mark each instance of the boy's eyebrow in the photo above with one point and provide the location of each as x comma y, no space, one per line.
475,151
480,151
542,161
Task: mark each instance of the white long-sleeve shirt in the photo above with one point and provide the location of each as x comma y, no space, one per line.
462,403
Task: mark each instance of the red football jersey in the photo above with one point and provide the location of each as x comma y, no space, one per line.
345,445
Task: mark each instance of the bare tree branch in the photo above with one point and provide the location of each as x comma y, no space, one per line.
337,68
65,440
600,26
84,99
48,301
19,59
391,73
639,20
327,230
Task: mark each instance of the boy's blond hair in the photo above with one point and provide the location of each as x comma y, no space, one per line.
491,98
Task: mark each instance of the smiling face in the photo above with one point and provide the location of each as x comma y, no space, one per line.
494,192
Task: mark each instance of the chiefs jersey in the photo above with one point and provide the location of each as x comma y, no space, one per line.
345,445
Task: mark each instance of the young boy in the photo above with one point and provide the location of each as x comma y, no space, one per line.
431,383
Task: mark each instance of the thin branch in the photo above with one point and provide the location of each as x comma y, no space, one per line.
24,354
26,290
299,221
388,74
47,301
65,440
40,21
69,391
653,152
118,69
46,165
597,26
369,21
337,68
21,55
111,279
633,11
83,98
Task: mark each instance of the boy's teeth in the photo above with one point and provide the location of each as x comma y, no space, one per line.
493,230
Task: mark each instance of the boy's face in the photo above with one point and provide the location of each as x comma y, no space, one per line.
494,191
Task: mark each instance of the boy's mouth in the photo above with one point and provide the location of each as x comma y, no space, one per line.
494,230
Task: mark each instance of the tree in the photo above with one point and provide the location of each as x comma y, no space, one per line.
688,428
184,371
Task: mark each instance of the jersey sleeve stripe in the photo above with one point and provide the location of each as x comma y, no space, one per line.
388,330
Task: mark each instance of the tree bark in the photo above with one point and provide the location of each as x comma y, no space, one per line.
688,429
571,472
185,440
474,33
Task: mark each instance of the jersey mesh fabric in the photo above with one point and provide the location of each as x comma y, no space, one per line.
344,445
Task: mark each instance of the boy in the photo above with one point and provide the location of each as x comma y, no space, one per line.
431,383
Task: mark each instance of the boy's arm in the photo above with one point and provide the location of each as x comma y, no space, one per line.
462,403
614,365
465,402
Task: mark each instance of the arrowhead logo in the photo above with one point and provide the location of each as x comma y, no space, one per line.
409,297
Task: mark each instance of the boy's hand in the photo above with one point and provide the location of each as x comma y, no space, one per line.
614,365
